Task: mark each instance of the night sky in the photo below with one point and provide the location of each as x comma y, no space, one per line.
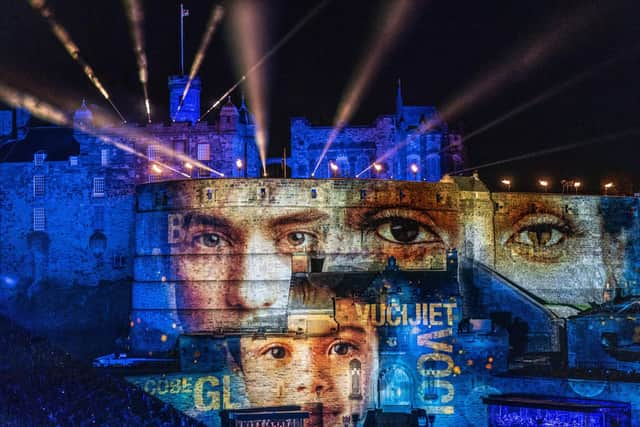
443,52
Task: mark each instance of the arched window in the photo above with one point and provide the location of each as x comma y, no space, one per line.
395,387
98,244
355,372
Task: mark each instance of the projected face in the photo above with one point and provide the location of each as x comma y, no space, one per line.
553,246
239,257
332,370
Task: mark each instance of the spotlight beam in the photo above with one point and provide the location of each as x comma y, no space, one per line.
54,115
395,21
214,19
414,134
566,147
136,24
223,97
270,53
522,60
553,91
63,37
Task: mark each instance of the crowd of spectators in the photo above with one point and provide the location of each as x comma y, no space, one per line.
41,385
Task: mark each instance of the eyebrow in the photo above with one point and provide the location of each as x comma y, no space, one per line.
205,219
362,219
353,329
298,218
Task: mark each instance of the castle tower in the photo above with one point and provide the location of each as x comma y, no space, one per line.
83,121
83,117
229,115
190,111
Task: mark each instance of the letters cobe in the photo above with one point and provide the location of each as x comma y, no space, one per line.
208,392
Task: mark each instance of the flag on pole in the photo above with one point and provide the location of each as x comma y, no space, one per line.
185,12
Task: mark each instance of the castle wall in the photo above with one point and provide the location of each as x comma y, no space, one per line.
566,248
239,277
63,253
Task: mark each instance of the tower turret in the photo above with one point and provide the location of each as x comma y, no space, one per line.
190,111
229,115
83,117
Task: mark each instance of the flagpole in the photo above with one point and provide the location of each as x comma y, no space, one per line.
181,39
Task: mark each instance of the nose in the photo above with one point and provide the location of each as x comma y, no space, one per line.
314,382
264,276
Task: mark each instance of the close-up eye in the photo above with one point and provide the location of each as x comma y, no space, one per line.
540,237
405,231
342,348
297,238
208,240
276,352
543,235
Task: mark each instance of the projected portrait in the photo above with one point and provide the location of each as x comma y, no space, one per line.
239,257
554,246
330,376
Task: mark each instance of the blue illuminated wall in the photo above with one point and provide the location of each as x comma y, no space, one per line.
414,145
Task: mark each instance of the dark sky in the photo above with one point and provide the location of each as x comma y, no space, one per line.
447,48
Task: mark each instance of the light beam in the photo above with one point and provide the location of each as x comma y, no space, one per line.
248,20
63,36
136,24
214,19
591,141
272,51
553,91
51,113
396,20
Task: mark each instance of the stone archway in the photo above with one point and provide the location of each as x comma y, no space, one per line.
395,387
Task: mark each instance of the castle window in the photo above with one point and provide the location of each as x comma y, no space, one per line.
38,185
314,193
98,244
38,158
73,160
203,152
152,152
98,187
39,219
104,157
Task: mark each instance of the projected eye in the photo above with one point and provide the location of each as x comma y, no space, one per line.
342,348
209,240
277,352
405,231
296,240
540,237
